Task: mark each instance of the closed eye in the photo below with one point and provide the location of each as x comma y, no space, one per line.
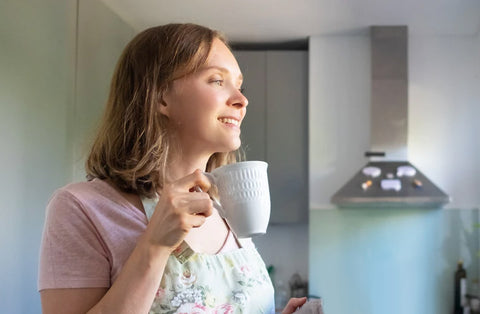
242,90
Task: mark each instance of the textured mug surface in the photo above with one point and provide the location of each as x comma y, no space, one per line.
243,196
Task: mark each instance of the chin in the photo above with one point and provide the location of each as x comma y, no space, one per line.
236,145
231,147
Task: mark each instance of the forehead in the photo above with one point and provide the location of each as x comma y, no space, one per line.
221,56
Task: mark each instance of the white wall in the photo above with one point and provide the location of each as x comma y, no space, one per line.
339,117
42,113
443,132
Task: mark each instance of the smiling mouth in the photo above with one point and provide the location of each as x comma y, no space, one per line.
229,121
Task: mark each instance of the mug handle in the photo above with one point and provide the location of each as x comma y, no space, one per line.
216,202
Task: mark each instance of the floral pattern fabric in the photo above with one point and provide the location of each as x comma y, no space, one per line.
230,282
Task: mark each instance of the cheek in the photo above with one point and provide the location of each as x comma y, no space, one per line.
181,109
195,106
189,118
184,119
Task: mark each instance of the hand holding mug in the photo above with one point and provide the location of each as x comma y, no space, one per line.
178,210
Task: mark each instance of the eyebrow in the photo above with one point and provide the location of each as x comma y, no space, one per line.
221,69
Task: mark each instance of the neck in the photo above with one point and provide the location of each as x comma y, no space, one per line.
184,164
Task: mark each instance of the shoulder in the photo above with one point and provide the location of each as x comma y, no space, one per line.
82,199
85,190
84,193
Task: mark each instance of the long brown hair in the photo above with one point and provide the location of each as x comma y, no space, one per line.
132,144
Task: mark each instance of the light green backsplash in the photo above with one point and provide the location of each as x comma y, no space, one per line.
395,261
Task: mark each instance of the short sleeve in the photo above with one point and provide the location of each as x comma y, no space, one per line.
72,253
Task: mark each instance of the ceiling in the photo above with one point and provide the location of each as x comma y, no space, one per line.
270,21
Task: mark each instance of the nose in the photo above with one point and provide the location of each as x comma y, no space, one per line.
238,99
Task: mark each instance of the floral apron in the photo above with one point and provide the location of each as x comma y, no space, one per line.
228,282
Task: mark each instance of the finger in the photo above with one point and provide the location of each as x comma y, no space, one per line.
197,220
292,305
196,178
200,205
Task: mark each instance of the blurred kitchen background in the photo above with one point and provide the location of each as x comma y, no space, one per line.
307,69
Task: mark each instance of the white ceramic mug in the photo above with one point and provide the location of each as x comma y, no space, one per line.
243,196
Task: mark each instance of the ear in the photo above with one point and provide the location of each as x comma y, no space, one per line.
163,108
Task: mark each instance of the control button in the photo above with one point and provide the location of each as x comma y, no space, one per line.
372,171
417,184
391,184
407,171
366,184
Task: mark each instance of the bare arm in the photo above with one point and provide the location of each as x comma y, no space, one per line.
70,301
134,290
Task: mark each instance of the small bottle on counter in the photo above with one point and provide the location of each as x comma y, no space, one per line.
460,300
474,296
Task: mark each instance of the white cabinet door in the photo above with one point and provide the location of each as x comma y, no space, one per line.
275,128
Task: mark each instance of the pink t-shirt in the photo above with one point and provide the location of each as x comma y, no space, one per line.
90,231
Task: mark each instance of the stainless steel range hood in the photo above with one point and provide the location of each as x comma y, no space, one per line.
389,180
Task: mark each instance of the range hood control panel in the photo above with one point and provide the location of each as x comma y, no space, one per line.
407,171
390,184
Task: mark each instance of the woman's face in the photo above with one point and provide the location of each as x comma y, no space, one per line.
207,107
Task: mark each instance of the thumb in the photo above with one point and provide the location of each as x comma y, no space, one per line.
292,305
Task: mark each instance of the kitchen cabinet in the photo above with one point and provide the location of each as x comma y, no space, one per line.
275,127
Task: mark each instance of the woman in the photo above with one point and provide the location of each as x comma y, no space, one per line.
111,244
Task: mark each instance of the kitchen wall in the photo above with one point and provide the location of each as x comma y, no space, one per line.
285,246
102,35
393,261
36,95
42,113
